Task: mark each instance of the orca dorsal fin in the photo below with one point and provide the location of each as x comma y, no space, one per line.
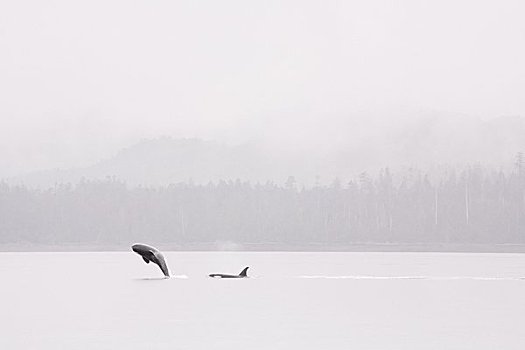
244,272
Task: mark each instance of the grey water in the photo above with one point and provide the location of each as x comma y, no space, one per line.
292,301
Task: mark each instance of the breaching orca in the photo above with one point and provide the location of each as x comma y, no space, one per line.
149,253
243,274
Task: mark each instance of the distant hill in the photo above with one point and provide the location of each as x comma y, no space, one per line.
166,160
424,143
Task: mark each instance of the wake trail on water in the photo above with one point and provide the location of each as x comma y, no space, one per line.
428,278
162,278
182,277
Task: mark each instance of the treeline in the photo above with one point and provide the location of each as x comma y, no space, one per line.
475,205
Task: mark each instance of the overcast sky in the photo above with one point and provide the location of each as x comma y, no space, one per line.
79,80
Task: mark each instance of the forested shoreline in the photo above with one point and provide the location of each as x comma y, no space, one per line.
474,205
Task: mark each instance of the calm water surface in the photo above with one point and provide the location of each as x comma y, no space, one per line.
293,301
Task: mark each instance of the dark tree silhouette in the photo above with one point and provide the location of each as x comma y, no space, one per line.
475,205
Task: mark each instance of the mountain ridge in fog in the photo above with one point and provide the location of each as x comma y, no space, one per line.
425,142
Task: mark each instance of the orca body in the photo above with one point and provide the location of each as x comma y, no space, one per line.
243,274
148,253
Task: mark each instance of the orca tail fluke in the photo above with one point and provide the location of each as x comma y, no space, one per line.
244,273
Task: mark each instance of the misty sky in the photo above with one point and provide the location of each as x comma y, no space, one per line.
79,80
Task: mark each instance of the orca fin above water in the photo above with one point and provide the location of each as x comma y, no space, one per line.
244,273
145,260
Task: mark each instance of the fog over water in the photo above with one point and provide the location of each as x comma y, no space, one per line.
80,82
232,133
